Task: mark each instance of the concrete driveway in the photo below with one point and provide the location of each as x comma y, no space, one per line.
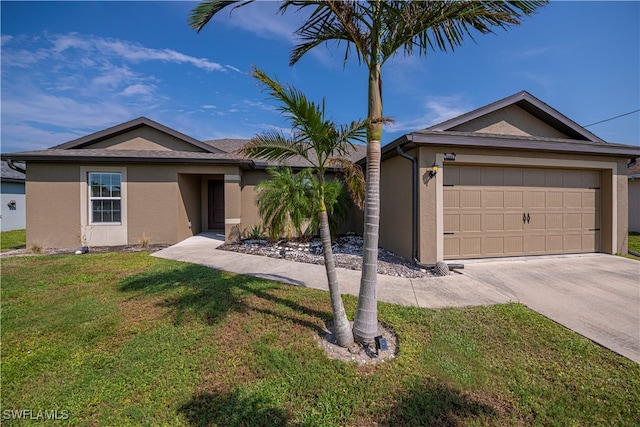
596,295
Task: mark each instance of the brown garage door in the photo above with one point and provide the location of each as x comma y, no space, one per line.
504,211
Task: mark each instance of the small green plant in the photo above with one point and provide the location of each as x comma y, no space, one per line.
36,248
256,232
144,241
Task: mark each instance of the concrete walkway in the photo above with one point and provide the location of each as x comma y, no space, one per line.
595,295
434,292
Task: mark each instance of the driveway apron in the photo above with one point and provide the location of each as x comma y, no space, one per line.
596,295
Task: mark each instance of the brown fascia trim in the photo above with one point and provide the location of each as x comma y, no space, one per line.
13,180
450,139
41,158
130,125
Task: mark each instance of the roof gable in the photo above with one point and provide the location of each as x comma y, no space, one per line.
139,134
521,114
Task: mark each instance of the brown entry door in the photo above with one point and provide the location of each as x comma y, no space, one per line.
215,201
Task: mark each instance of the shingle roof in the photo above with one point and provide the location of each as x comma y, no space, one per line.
9,174
232,147
98,154
634,170
226,153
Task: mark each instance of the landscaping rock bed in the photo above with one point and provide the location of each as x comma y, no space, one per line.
347,252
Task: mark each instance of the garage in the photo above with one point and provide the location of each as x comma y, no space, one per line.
514,211
513,178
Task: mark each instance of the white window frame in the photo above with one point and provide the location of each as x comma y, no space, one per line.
100,198
103,233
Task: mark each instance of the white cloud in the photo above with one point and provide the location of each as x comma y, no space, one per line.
22,137
139,89
57,87
4,39
114,76
435,110
64,45
259,105
263,20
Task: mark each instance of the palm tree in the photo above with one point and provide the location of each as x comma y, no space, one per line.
283,202
323,144
377,31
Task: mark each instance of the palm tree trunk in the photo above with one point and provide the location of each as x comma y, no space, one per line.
365,326
342,329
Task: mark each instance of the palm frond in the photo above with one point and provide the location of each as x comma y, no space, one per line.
202,14
353,177
337,21
306,117
443,25
272,145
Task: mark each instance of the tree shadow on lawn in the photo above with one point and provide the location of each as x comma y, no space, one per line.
213,294
439,405
423,405
239,408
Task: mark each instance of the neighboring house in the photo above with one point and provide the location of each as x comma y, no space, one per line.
12,212
633,174
515,177
138,181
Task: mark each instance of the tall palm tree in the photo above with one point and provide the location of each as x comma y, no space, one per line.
377,31
323,144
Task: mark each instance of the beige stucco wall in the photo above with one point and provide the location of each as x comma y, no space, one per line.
634,204
428,211
53,205
250,215
622,208
153,204
144,138
164,203
396,204
511,120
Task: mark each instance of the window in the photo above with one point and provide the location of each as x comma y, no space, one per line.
105,197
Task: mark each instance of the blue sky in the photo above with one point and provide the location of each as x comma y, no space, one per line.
73,68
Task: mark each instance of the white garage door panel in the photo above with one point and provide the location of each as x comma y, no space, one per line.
501,211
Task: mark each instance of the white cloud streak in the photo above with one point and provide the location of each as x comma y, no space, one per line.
57,87
435,110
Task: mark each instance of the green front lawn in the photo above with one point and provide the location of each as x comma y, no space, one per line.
128,339
634,242
13,239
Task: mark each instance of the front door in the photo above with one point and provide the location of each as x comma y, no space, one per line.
215,201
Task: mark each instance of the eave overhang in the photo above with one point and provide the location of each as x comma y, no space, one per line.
452,139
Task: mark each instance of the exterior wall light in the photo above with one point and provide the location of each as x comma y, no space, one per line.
434,170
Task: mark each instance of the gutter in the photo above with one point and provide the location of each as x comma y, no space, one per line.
15,167
414,214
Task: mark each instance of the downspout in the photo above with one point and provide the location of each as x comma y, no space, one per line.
15,167
414,214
